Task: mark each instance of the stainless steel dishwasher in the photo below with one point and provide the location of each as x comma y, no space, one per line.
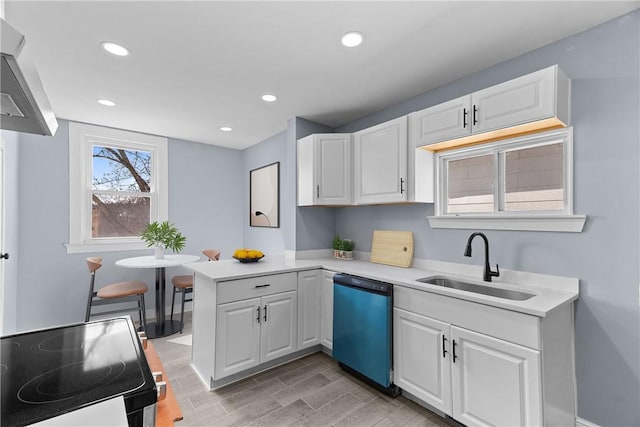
362,330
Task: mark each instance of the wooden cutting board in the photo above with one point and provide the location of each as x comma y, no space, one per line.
392,247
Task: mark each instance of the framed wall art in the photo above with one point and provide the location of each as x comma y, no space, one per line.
264,196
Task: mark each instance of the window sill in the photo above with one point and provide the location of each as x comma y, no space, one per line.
557,223
79,248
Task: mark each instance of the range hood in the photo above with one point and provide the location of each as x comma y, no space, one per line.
24,103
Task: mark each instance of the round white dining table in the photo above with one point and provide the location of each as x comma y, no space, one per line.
162,326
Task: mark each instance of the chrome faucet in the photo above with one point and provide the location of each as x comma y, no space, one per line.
487,274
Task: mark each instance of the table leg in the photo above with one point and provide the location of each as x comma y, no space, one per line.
162,326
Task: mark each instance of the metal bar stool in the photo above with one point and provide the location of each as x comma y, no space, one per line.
184,285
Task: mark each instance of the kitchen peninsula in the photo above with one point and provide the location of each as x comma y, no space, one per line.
250,317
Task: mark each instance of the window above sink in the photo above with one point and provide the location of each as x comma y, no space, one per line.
524,183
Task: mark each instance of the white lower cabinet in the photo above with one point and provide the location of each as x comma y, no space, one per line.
315,308
482,365
326,305
420,367
256,321
477,379
278,325
238,336
494,382
255,331
309,308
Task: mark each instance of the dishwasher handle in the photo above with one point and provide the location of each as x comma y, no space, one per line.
363,284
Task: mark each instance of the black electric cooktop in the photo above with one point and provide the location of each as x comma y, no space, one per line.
49,372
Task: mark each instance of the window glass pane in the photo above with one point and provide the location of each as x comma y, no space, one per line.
470,184
121,170
119,216
534,179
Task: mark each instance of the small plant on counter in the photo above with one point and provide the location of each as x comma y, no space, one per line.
163,235
343,248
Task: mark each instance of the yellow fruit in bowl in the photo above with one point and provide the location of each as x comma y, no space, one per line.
240,253
248,254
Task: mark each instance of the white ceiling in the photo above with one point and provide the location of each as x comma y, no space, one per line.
196,66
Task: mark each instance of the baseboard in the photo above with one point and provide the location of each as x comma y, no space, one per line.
423,404
216,384
580,422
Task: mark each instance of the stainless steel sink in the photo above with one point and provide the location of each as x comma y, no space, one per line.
476,288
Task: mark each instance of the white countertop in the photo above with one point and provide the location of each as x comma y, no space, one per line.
550,291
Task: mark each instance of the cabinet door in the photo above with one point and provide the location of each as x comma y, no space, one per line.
495,383
380,163
333,177
326,305
309,294
442,122
279,326
421,358
237,337
521,100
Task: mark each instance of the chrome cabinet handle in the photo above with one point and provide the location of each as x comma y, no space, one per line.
266,285
401,185
454,351
258,318
475,113
265,312
465,113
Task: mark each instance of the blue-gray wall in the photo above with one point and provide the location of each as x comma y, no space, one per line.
205,193
10,195
603,64
268,240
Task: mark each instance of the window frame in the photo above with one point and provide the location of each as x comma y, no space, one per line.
82,138
501,219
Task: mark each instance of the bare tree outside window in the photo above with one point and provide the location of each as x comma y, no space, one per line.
121,192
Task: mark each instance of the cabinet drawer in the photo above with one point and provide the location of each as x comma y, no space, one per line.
236,290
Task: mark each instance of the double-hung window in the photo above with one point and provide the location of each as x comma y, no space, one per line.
118,184
523,183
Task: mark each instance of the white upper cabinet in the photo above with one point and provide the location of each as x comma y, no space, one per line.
536,101
449,120
380,163
524,99
324,169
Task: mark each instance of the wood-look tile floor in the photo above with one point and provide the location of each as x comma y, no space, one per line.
312,391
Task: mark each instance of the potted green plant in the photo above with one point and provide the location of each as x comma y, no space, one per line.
163,235
343,248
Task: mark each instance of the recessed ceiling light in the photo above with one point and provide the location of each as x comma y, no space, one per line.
268,97
226,129
352,39
106,102
115,49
